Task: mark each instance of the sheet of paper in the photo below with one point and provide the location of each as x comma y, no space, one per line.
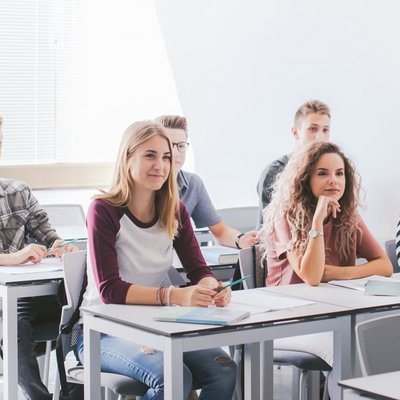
262,302
46,265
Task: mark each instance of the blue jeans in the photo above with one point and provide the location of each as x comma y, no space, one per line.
211,369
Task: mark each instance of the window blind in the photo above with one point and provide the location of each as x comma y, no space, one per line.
75,73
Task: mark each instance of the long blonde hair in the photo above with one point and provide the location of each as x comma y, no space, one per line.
293,200
120,192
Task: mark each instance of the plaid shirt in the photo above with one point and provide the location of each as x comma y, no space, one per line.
20,217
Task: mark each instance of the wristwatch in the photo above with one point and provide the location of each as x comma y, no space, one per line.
237,241
313,233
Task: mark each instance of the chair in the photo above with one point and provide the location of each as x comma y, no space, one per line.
204,236
70,223
390,247
305,362
243,219
74,272
378,345
69,220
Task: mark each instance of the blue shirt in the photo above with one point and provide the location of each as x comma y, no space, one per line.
194,196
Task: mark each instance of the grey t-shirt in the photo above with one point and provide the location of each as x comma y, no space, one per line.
267,178
194,196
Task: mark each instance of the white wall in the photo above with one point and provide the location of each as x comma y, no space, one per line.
242,68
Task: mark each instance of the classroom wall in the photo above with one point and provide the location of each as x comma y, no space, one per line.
242,68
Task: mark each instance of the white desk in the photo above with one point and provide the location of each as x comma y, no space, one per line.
12,288
381,386
135,323
360,306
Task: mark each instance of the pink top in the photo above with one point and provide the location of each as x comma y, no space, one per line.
280,272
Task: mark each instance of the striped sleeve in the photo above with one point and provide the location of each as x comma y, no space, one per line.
398,242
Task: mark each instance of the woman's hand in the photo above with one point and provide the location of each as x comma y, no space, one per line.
326,205
58,249
248,239
222,298
193,296
33,253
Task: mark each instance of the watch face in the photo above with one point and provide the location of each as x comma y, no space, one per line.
313,234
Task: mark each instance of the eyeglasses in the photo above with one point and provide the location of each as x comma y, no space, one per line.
181,146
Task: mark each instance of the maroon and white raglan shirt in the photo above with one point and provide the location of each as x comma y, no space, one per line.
123,251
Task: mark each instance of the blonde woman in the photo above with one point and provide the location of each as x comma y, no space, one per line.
132,230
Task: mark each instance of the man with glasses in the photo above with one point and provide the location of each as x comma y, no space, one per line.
193,193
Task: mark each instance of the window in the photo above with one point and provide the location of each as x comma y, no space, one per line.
75,73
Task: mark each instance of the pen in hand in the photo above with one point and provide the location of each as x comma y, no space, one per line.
65,243
218,289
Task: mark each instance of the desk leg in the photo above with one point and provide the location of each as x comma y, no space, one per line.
92,388
252,371
355,366
10,349
267,370
173,370
342,362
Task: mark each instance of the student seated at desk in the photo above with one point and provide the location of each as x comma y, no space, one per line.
312,229
132,231
20,217
313,232
193,193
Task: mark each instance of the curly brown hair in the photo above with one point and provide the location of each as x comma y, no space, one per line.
293,200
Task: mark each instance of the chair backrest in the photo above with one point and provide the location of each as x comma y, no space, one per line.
246,267
252,263
175,277
390,247
68,220
243,219
378,344
204,236
74,274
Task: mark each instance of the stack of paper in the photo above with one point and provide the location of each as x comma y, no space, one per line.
215,255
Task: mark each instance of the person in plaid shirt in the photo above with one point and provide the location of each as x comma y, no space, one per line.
22,221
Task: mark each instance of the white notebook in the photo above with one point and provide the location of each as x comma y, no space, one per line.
360,284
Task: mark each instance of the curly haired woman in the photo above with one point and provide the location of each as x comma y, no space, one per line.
312,229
